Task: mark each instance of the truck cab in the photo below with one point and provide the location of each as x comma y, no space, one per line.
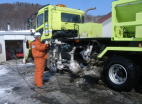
58,20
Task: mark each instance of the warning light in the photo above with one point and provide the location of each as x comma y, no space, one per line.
61,5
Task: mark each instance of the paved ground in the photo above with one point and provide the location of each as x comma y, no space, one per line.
16,87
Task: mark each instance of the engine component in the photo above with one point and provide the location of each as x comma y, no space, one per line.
60,65
74,65
86,53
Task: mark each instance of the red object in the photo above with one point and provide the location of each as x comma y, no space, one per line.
19,55
104,18
39,55
77,41
61,5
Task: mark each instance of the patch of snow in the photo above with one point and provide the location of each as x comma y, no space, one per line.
3,70
3,91
28,64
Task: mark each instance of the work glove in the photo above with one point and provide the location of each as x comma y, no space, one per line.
46,42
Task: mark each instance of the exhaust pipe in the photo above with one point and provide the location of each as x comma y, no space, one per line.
85,15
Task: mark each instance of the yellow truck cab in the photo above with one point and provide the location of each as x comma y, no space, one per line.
59,20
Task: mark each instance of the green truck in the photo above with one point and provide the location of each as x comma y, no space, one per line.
75,44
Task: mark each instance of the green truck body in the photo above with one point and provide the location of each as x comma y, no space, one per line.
126,22
78,40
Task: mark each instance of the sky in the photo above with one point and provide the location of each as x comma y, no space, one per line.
103,6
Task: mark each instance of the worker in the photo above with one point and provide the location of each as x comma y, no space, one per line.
40,55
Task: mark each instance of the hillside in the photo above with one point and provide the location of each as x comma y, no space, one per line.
16,15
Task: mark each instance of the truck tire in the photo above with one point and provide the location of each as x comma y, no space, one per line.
120,73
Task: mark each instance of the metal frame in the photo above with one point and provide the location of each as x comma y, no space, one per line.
119,37
119,49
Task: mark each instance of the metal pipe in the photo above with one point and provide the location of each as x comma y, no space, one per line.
85,15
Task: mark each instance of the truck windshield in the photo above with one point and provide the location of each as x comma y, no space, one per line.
39,20
73,18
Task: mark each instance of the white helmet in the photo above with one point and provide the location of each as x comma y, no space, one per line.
37,34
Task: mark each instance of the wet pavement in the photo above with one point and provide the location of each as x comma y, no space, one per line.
17,87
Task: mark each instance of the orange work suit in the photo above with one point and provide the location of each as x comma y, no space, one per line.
40,56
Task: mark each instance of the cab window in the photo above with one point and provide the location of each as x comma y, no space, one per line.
39,20
46,16
73,18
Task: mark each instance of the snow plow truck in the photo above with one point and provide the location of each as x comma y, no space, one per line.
78,46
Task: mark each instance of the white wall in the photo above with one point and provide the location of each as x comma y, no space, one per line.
15,36
3,54
107,28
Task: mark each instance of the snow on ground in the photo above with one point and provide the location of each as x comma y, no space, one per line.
14,89
26,65
3,70
16,81
3,91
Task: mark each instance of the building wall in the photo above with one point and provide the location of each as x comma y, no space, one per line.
4,37
2,49
107,28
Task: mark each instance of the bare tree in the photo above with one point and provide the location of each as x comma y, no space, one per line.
16,15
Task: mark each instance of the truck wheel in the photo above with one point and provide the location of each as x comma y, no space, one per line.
120,73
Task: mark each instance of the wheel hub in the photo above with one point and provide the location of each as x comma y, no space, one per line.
117,74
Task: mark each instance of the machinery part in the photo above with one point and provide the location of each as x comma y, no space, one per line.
51,61
51,64
85,15
60,65
120,73
53,67
89,10
57,42
86,53
74,65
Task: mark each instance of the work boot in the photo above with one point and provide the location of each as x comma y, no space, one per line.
42,87
36,87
